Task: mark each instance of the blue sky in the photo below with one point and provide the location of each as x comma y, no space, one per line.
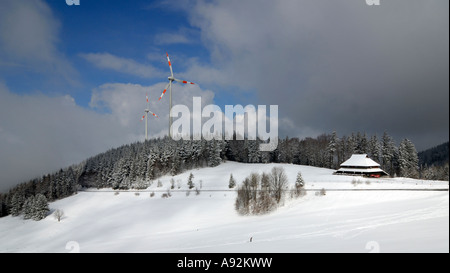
73,78
138,31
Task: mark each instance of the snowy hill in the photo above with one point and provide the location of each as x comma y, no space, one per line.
383,220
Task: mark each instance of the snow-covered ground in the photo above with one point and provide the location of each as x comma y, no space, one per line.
340,221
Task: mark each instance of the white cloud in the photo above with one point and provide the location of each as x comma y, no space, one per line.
29,38
333,65
40,134
122,65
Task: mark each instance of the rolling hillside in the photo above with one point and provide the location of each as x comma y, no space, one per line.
369,219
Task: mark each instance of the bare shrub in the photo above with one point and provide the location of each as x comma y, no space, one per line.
58,214
152,194
322,192
259,194
356,181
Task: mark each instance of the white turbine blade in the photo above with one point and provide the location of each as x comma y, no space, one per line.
165,90
170,64
143,117
153,113
183,81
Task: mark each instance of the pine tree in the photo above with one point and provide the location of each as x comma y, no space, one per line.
176,165
361,143
133,174
387,153
71,182
254,155
151,162
214,153
231,182
3,211
28,207
17,202
190,181
299,185
444,172
351,145
403,159
407,159
299,182
53,189
374,148
40,207
332,151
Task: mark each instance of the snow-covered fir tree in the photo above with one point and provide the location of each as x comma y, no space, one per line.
41,209
17,202
407,159
374,148
29,207
361,143
299,182
332,150
231,182
387,153
190,182
214,153
254,155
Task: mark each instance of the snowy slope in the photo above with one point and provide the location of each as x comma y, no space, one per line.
341,221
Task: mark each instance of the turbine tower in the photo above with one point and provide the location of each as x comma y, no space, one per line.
146,118
169,86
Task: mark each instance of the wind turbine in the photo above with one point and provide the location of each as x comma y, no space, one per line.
169,86
146,117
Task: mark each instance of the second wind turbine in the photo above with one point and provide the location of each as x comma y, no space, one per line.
146,117
169,86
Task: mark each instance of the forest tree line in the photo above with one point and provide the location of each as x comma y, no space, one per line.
137,165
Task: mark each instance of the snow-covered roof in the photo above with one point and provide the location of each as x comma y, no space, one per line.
360,160
354,170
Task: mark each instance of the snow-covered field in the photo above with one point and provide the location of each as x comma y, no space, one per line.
340,221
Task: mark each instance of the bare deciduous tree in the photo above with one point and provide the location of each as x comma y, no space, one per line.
278,183
259,194
58,214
